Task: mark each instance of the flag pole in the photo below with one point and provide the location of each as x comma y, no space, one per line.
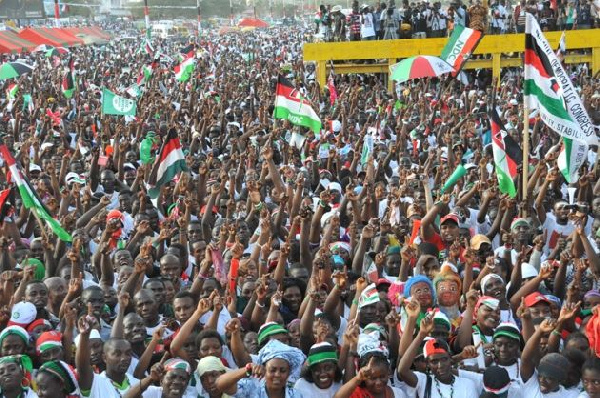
525,154
147,20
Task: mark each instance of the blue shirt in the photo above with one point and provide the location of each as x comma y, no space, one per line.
255,388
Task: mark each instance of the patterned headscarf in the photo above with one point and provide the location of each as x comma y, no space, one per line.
64,372
275,349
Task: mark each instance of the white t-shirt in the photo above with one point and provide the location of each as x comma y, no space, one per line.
366,27
554,231
531,389
107,382
156,392
461,388
311,390
514,391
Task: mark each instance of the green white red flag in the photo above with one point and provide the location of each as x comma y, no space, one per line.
29,196
507,155
460,46
290,105
171,161
183,71
548,87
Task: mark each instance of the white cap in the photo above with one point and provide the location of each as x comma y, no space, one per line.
94,334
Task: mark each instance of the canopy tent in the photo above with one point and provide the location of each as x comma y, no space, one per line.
39,36
87,35
16,44
60,33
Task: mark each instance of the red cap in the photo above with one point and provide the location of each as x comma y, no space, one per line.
114,214
383,281
535,298
449,217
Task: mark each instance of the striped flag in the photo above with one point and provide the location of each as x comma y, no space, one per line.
171,162
547,87
507,155
144,75
460,46
572,155
29,196
12,91
369,296
187,51
367,149
183,71
292,106
68,85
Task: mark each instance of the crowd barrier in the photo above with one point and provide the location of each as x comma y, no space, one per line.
494,52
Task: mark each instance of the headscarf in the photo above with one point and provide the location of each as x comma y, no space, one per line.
210,364
16,331
487,278
275,349
23,361
47,341
322,352
63,372
269,329
178,363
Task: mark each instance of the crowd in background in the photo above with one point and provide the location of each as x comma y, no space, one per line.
422,19
355,276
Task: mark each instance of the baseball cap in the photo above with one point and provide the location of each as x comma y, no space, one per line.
22,314
477,240
536,298
450,217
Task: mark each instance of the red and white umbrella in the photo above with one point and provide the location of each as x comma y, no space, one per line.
419,67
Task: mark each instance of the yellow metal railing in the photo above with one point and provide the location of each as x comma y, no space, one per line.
499,51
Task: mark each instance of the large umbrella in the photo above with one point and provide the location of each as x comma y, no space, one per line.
418,67
56,52
11,70
252,22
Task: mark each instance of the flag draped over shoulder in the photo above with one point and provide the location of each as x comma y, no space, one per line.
547,87
290,105
171,162
29,196
507,155
460,46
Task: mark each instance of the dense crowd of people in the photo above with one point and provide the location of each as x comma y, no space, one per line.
422,19
285,263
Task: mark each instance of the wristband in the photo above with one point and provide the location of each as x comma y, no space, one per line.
355,301
322,203
556,333
259,304
258,206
